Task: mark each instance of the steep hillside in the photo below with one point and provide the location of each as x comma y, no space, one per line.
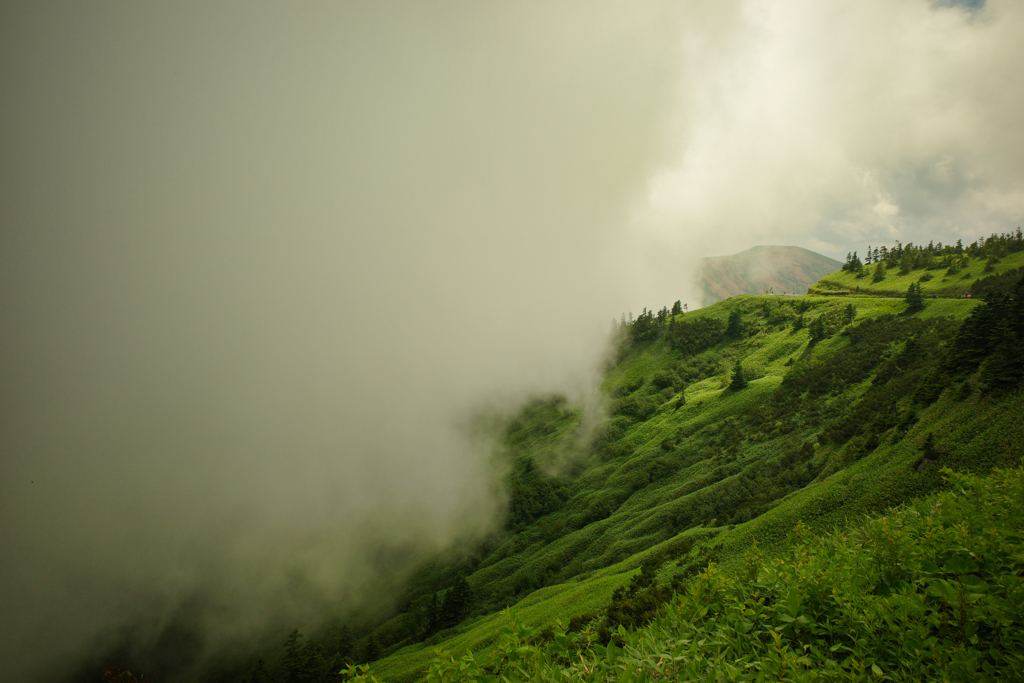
789,270
931,591
688,471
731,433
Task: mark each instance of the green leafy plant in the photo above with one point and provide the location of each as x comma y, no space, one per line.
931,591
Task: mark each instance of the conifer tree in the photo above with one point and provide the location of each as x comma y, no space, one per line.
259,674
372,651
295,658
344,645
817,330
457,601
643,328
914,298
738,380
735,327
879,272
1004,368
855,264
318,664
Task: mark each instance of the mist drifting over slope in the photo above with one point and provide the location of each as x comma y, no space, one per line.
260,265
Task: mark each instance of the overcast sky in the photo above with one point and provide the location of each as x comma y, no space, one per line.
261,262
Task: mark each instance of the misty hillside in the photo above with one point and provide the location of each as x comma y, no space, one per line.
757,270
742,492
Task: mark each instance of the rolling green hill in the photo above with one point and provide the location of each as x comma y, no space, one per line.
733,435
943,281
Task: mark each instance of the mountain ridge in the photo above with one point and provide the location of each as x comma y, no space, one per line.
762,269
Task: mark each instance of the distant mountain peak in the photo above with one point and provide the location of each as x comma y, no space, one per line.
789,270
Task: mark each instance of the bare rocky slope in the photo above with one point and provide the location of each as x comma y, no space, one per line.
762,269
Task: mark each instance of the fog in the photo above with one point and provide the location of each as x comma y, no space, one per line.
261,265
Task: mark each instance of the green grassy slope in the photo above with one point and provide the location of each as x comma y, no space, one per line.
851,405
937,281
698,475
931,591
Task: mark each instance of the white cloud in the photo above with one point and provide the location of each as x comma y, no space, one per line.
862,121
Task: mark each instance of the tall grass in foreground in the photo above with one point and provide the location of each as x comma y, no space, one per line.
931,591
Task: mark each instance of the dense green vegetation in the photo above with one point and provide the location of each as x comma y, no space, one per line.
931,591
730,432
